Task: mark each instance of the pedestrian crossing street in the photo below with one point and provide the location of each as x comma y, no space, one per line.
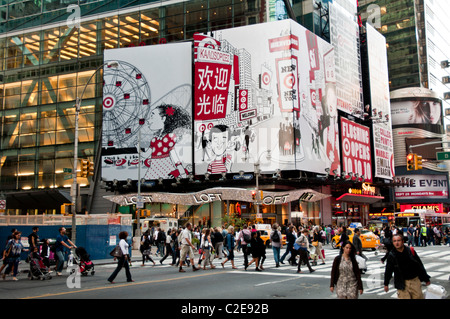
438,268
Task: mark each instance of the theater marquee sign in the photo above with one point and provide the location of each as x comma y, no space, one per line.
218,194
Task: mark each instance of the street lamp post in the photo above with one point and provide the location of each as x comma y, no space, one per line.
258,194
74,189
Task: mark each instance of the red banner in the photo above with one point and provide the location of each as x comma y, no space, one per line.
211,90
438,208
356,153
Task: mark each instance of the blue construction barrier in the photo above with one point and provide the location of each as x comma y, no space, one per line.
94,238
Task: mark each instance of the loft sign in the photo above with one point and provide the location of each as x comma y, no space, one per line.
134,200
275,200
206,198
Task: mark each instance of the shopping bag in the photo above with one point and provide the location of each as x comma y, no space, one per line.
435,292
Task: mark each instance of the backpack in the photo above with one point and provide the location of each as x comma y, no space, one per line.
247,237
275,237
161,237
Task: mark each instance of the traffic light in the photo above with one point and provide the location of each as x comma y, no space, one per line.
253,195
90,171
417,162
84,168
410,165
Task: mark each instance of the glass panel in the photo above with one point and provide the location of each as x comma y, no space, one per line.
28,140
86,135
150,26
47,138
12,102
68,94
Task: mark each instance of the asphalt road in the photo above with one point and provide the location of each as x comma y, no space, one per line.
165,282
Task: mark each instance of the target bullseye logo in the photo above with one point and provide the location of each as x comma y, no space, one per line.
289,81
266,78
109,102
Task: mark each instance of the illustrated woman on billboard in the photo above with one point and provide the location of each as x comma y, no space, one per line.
169,123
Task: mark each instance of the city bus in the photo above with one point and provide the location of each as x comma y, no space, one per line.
420,216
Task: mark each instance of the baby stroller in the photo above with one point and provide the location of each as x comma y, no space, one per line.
37,268
312,255
82,259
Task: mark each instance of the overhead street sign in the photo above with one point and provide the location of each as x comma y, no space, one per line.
442,156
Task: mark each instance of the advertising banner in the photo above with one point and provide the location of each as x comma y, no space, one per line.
147,101
423,187
344,35
279,103
356,151
418,113
438,208
380,104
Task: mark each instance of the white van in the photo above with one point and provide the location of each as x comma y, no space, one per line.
163,222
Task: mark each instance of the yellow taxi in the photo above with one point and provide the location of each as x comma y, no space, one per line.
368,239
265,236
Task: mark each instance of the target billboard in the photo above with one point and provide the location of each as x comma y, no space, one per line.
356,149
279,97
147,101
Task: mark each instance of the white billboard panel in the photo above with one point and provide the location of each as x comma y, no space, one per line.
147,100
255,97
344,35
380,104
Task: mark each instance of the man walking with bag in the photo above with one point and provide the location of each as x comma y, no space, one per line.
187,247
408,270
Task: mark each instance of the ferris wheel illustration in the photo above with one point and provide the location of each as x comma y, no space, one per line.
126,100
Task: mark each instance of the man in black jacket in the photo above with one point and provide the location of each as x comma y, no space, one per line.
408,270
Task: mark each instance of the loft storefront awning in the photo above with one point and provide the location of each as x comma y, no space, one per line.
359,198
219,194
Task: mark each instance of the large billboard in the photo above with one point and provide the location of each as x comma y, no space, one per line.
147,101
276,95
423,187
344,35
380,105
356,150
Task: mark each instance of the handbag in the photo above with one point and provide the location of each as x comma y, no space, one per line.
315,243
117,252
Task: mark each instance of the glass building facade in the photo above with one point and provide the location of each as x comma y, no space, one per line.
47,57
400,24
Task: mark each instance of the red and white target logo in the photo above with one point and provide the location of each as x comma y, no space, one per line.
108,102
204,127
313,97
243,100
289,81
266,78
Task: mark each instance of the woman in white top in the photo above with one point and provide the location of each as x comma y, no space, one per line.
122,261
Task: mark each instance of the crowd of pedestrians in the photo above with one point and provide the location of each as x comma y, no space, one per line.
303,246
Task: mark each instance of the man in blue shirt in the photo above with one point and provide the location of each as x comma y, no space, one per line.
62,242
410,233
